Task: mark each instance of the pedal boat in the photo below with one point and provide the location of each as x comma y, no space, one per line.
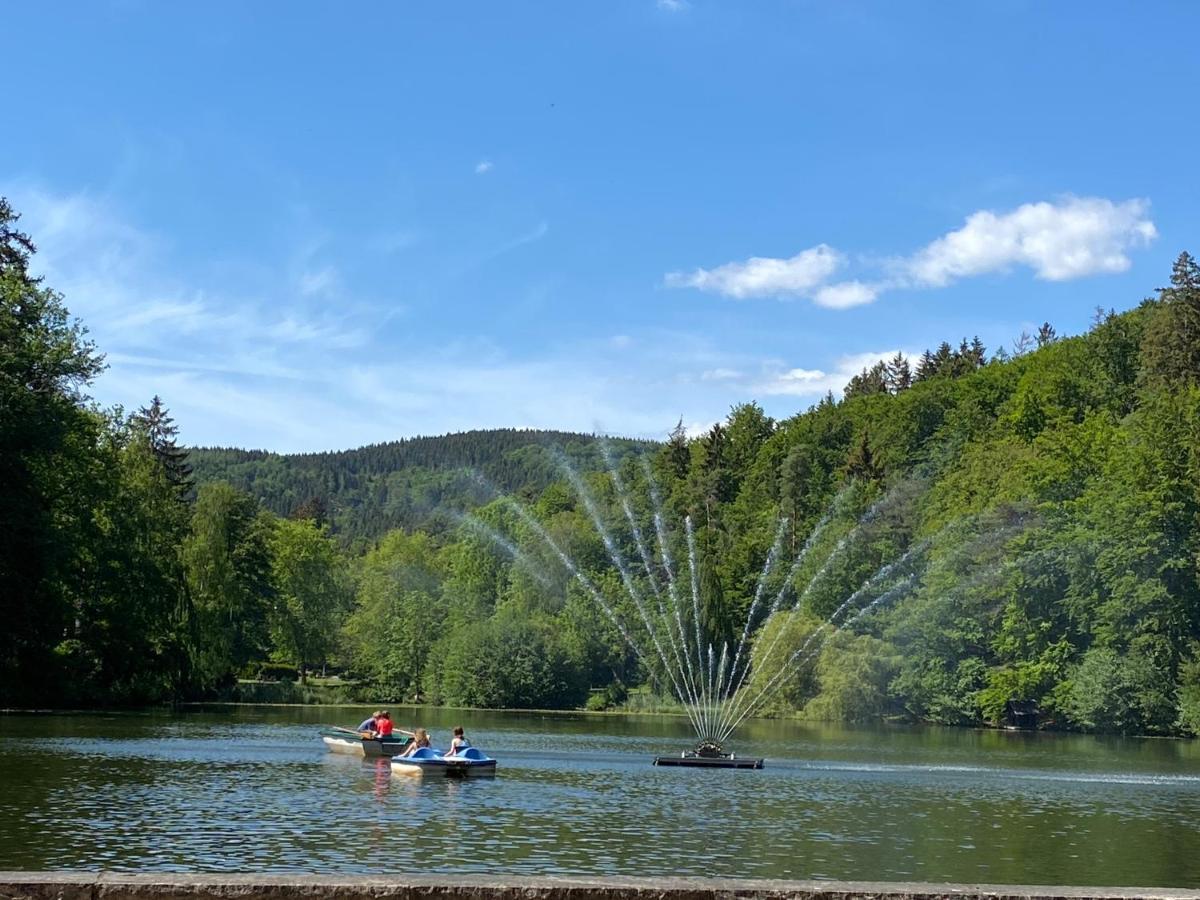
346,741
427,761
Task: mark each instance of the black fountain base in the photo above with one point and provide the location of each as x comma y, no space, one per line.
709,755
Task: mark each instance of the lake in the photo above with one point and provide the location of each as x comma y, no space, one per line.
253,789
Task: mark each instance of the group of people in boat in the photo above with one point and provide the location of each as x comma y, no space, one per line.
379,725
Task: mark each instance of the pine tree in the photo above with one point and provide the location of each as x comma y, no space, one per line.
315,508
1171,344
869,381
862,463
1046,335
899,374
15,246
679,457
160,430
943,359
926,367
978,353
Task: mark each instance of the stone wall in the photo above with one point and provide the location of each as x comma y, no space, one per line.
86,886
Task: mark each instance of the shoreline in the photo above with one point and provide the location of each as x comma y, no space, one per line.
609,713
76,885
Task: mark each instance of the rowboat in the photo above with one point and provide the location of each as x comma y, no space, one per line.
344,740
427,761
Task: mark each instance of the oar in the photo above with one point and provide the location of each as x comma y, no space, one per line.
357,734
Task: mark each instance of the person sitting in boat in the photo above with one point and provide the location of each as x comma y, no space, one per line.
383,725
420,738
369,723
459,742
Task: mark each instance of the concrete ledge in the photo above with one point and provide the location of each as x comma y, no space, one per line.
100,886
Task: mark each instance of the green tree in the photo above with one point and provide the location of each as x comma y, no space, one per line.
47,468
398,615
853,672
1171,345
507,663
227,557
313,592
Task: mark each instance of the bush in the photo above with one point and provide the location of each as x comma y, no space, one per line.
608,697
507,664
277,672
1117,692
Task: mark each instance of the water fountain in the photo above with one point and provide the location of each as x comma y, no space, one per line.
666,636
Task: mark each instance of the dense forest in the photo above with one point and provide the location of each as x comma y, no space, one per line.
414,484
961,530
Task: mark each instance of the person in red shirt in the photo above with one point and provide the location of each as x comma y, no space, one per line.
383,725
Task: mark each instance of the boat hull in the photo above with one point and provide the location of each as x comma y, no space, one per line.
428,762
695,761
343,742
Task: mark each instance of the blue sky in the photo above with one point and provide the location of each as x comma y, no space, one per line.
312,227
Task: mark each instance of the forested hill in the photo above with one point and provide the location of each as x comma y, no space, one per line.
953,534
410,483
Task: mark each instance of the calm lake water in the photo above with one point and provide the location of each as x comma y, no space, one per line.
254,789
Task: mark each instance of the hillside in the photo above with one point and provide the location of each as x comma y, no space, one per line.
411,483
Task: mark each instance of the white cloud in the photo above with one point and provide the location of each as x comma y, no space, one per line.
762,276
845,294
817,382
673,6
1072,238
483,167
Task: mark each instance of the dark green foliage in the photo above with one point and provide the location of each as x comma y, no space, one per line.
506,663
1171,345
158,428
415,483
48,469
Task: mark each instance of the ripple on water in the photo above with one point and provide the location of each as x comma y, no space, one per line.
225,794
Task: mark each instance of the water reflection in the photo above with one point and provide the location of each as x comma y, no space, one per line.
253,789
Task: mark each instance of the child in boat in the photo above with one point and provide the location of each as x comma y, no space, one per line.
368,724
459,742
383,725
420,738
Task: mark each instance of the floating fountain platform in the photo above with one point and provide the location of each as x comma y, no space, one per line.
709,755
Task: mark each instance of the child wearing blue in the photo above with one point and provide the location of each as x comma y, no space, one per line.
459,742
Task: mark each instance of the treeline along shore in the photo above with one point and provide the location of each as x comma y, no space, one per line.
1052,489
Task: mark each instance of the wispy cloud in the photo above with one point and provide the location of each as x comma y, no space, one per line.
300,365
121,281
673,6
1071,238
483,167
318,282
532,236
